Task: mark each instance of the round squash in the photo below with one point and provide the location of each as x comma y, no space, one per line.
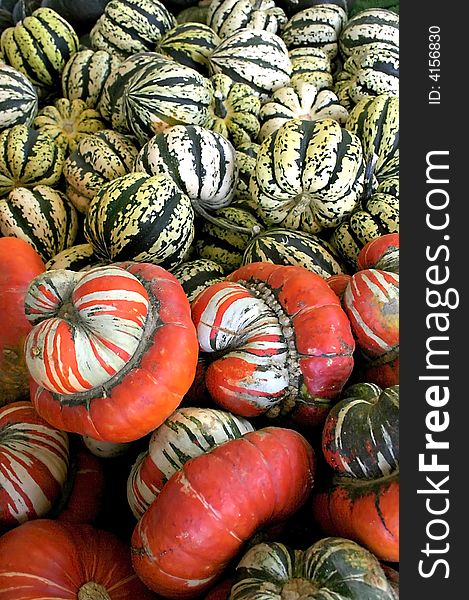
18,98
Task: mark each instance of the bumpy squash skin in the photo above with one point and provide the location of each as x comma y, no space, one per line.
20,264
222,498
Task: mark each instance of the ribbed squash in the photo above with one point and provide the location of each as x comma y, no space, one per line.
228,16
234,111
195,275
246,155
367,27
75,258
28,158
190,44
131,26
18,98
311,65
99,158
381,253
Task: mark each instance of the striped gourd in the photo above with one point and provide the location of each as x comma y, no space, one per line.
193,14
318,27
299,100
371,71
130,26
316,183
41,216
187,433
222,243
99,158
76,258
379,216
140,218
18,98
246,155
34,462
333,567
375,120
85,75
234,111
40,46
367,27
311,65
258,58
111,104
201,162
287,247
160,95
360,437
68,121
195,275
228,16
28,158
190,44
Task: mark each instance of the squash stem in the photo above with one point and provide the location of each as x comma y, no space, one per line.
93,591
221,222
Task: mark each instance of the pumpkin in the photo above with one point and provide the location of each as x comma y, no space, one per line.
283,344
34,461
367,27
360,437
18,98
338,283
20,264
332,567
235,489
189,44
187,433
309,175
381,253
109,377
46,558
363,510
228,16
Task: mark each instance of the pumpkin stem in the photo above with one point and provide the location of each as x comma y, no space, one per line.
93,591
221,222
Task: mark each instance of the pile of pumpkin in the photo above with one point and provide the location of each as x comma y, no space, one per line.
199,294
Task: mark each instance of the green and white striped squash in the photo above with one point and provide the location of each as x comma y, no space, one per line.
332,567
367,27
28,158
311,65
287,247
318,27
234,111
299,100
201,162
228,16
389,185
18,98
68,121
130,26
190,44
187,433
371,71
193,14
158,96
375,119
309,175
246,155
379,216
111,104
41,216
76,258
85,75
255,57
223,244
99,158
198,274
40,46
141,218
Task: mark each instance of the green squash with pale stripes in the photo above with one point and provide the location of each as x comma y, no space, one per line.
198,274
41,216
85,75
18,98
130,26
28,158
76,258
246,155
141,218
332,568
255,57
228,16
367,27
99,158
375,119
309,175
311,65
190,44
286,247
234,111
40,46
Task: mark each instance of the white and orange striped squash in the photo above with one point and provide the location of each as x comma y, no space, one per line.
34,460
